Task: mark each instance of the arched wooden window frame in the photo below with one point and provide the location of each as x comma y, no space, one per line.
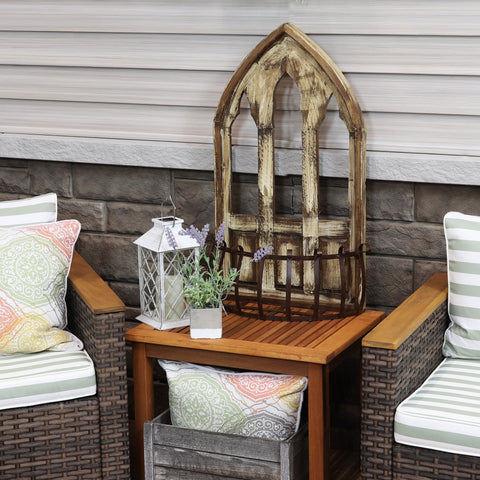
288,51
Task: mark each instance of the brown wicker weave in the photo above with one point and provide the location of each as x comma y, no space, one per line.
85,438
392,373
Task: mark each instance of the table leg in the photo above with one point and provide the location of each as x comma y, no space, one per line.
144,400
318,422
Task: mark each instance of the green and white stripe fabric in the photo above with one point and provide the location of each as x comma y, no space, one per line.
444,413
462,233
45,377
29,211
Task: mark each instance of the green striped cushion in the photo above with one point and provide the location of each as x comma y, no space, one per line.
45,377
444,413
462,233
29,211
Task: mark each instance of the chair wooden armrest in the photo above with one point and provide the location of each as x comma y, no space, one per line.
409,316
97,316
397,356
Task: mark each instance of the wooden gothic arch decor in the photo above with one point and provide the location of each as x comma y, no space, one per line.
337,281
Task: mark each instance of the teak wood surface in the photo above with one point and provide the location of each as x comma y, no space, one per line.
99,297
301,348
409,315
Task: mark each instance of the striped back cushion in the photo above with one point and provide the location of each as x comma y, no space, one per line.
29,211
462,233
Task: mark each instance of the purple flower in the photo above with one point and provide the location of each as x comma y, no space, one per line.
171,239
262,253
220,233
196,234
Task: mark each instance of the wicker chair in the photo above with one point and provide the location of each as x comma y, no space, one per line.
84,438
397,357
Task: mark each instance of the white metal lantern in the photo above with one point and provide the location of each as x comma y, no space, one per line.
160,274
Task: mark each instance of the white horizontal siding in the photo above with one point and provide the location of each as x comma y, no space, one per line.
376,93
439,134
352,53
78,78
226,17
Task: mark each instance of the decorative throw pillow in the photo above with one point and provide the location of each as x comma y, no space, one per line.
34,265
29,211
462,233
251,404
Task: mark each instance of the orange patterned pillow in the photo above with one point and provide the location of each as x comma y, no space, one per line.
263,405
34,265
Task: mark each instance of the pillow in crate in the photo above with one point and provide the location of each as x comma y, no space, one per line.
251,404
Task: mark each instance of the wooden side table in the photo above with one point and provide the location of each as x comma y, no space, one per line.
300,348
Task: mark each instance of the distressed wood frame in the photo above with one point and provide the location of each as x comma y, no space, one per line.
288,51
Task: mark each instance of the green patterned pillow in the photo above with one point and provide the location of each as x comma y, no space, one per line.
34,265
462,233
251,404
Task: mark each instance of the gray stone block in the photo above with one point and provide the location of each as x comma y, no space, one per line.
128,292
6,197
406,239
131,314
390,201
14,180
195,202
51,177
197,175
121,184
333,199
424,269
91,214
434,201
113,257
389,280
13,163
131,218
245,198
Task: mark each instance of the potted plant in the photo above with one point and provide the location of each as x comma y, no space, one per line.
206,285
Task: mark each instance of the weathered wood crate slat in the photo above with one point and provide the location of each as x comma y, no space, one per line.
174,453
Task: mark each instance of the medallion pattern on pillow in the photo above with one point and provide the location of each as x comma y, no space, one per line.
462,337
34,265
252,404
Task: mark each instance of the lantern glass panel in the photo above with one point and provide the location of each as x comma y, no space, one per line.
150,287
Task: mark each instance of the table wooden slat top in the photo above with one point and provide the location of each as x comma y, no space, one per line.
314,342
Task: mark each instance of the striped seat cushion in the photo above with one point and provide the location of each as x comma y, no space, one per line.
45,377
462,233
29,211
444,413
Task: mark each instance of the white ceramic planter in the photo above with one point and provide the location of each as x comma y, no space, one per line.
206,322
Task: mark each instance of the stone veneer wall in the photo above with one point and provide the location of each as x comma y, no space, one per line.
115,205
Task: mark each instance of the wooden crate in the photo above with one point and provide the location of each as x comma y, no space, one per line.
174,453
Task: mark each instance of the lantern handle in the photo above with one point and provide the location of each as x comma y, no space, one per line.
169,199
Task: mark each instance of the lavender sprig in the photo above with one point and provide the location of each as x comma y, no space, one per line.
196,234
171,238
220,234
262,252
